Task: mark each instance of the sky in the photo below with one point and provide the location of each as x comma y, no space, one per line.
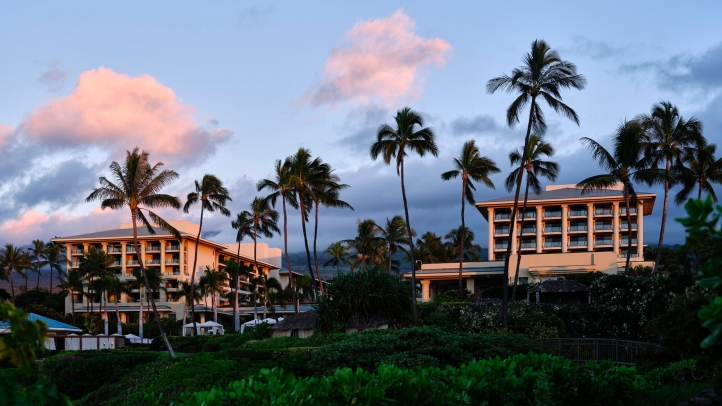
227,88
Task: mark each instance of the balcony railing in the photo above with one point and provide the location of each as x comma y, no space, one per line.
623,226
525,245
552,244
626,241
527,231
502,216
501,231
152,249
624,256
152,262
528,215
172,248
172,261
552,229
578,213
129,249
132,262
602,243
552,214
602,212
116,263
602,227
623,210
114,249
176,272
76,251
501,246
578,228
580,243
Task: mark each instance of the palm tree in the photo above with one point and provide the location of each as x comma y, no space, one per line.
37,251
339,253
94,265
393,143
669,133
625,164
116,287
104,286
244,228
282,187
430,248
56,259
698,167
306,173
471,166
366,243
454,240
543,75
154,283
188,298
72,283
215,284
395,237
535,166
13,260
212,196
325,192
138,186
264,220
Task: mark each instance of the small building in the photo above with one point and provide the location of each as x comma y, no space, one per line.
300,325
560,290
56,330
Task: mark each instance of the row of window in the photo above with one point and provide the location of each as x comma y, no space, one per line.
557,227
557,242
557,212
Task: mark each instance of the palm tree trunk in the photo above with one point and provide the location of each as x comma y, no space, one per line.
463,231
51,285
305,239
185,310
72,301
629,232
140,315
236,314
697,258
388,270
119,327
315,258
105,308
664,218
215,311
260,273
12,286
518,257
505,282
37,287
193,272
411,237
255,306
147,285
296,305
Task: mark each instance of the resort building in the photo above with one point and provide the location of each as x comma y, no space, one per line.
562,232
174,258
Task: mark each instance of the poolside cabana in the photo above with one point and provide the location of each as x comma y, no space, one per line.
209,327
256,322
55,329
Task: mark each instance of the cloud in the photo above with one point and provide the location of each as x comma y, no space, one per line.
481,124
70,181
380,60
593,49
28,221
120,112
55,77
33,224
6,133
362,125
254,13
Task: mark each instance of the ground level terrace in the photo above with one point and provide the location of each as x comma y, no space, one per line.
436,279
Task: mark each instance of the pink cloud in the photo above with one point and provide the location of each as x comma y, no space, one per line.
29,221
32,224
6,132
380,59
119,111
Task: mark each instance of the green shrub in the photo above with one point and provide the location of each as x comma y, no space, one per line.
212,347
415,347
77,374
521,380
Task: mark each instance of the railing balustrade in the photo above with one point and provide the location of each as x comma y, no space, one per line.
552,244
602,212
152,262
602,243
502,216
172,261
551,214
552,229
173,248
580,243
603,227
578,228
624,226
528,245
578,213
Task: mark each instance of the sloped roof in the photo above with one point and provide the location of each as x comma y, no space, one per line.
53,325
565,193
301,321
120,232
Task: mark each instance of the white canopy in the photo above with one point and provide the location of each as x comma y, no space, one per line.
208,327
255,322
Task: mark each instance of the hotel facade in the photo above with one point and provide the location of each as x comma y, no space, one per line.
173,257
563,232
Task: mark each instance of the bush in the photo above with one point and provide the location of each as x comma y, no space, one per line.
212,347
520,380
415,347
77,374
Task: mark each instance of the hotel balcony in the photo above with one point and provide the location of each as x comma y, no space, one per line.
76,251
74,264
603,212
130,248
527,246
502,216
170,248
552,230
526,231
603,243
152,249
552,245
553,214
578,229
624,256
152,262
625,242
623,225
172,261
577,213
500,247
603,227
577,244
530,215
117,263
501,231
623,211
114,250
132,262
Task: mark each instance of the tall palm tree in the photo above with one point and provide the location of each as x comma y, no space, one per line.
624,164
326,193
669,133
72,283
152,281
542,76
282,187
56,259
339,253
189,299
535,166
698,167
138,186
306,173
37,252
213,196
94,265
395,236
454,240
430,248
395,142
13,260
264,220
116,287
366,243
244,228
470,166
104,286
215,284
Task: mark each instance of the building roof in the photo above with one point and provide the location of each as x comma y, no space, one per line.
120,233
562,194
53,325
301,321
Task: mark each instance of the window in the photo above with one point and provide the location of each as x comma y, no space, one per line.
578,241
552,242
